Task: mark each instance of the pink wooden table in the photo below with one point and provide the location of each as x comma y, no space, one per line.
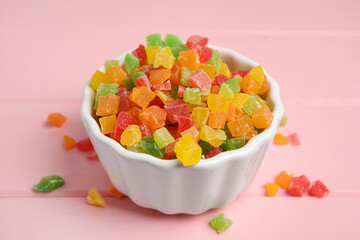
49,50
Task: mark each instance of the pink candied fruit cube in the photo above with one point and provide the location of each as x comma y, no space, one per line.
124,101
181,91
165,86
143,82
298,186
140,53
205,54
184,123
293,139
176,108
196,42
200,80
242,73
145,131
213,152
219,79
318,189
124,119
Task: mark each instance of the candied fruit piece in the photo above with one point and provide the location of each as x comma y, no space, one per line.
131,63
153,117
192,95
212,136
159,76
163,137
140,53
97,78
108,105
262,117
220,223
217,119
115,74
217,102
56,119
293,139
188,152
194,133
131,135
189,59
85,145
94,198
242,127
124,119
49,183
115,193
271,189
108,124
150,146
280,139
318,189
298,186
283,179
142,96
176,108
68,142
200,80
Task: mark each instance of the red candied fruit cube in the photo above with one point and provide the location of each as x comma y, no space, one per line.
205,54
176,108
169,150
318,189
125,102
293,139
124,119
92,156
143,82
184,123
181,91
172,130
145,131
242,73
165,86
200,80
120,90
196,42
156,101
213,152
298,186
219,79
140,53
85,145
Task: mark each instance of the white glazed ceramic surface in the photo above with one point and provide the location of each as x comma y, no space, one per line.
167,186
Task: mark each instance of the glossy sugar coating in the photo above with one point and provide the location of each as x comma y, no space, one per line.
164,59
108,105
154,40
283,179
131,63
251,105
153,117
131,135
318,189
193,106
226,91
260,100
238,113
257,73
185,75
188,152
206,91
140,53
56,119
124,119
164,96
136,148
189,59
159,76
234,143
143,81
49,183
217,102
231,112
214,137
169,150
115,74
94,198
151,52
110,62
142,96
220,223
184,123
177,49
176,108
219,79
262,117
196,42
108,124
208,69
166,86
134,112
224,69
298,186
233,84
145,131
162,137
217,119
280,139
194,133
200,115
242,127
214,60
264,88
125,103
150,146
103,90
192,95
137,75
271,189
97,78
175,74
249,85
205,54
240,99
68,142
200,80
172,40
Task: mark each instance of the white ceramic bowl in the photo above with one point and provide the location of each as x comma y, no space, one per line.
167,186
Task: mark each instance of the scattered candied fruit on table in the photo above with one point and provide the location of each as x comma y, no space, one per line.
69,142
298,186
271,189
280,139
94,198
56,119
283,179
220,223
115,193
49,183
318,189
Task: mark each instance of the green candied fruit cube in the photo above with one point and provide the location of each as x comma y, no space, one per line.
259,130
192,95
185,75
220,223
174,92
131,63
103,90
137,75
129,83
284,121
214,60
111,62
150,146
175,50
205,147
226,128
162,137
206,91
172,40
234,143
49,183
233,84
136,148
260,100
251,106
154,40
226,91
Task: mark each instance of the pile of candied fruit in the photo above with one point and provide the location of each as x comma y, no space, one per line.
176,100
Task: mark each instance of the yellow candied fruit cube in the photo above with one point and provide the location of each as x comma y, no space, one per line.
239,79
164,59
224,69
94,198
151,52
212,136
188,152
200,115
167,50
257,73
108,124
218,103
193,106
271,189
164,96
97,78
240,99
131,135
208,69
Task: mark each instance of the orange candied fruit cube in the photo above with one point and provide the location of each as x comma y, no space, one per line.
159,76
56,119
153,117
238,113
134,112
283,179
94,198
142,96
189,59
242,127
280,139
194,133
68,142
215,89
217,119
115,74
262,117
115,193
108,105
249,85
271,189
108,124
264,88
175,74
231,112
